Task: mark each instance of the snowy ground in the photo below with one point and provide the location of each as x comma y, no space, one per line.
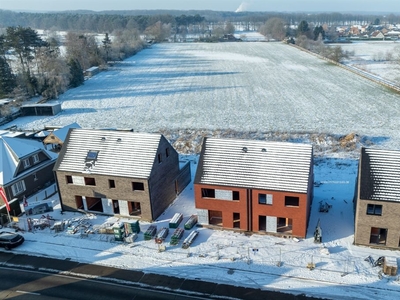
244,90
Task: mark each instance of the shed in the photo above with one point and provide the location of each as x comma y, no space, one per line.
41,109
92,71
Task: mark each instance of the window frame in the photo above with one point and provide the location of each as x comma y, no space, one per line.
35,158
18,187
26,162
373,209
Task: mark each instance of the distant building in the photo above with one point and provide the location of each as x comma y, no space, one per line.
41,109
119,173
92,71
255,186
378,199
57,137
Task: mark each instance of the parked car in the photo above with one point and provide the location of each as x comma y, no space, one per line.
10,240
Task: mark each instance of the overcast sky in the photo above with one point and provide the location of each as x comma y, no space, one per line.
220,5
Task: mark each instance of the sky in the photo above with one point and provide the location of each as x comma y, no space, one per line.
219,5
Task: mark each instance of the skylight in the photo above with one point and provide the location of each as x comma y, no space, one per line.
92,155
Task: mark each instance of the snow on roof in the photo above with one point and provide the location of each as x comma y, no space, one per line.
255,164
118,153
62,132
380,174
12,150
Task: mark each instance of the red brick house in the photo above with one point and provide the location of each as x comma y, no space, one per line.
255,186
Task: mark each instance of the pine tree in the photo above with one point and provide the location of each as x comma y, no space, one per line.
7,78
107,46
76,73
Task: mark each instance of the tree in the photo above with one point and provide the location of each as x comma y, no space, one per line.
107,46
76,73
229,28
319,30
377,21
7,78
303,29
274,28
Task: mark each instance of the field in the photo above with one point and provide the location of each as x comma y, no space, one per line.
231,87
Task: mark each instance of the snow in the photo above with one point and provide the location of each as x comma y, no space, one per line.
247,90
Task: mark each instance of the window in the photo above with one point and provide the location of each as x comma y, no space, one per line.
111,183
90,181
265,199
18,187
26,163
291,201
137,186
35,158
159,156
68,179
235,195
35,177
208,193
167,152
374,209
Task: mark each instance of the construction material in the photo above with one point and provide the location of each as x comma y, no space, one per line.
176,236
161,235
189,240
131,227
390,266
130,238
150,232
176,220
119,232
190,222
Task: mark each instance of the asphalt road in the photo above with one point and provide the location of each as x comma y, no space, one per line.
32,285
33,277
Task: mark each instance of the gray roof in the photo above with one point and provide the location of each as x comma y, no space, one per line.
13,150
120,153
380,174
255,164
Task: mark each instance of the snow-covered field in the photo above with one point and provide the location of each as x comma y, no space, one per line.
377,57
246,90
257,87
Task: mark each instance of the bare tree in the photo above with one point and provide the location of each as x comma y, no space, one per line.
274,28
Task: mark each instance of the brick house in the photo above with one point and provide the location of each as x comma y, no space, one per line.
119,173
255,186
26,167
377,205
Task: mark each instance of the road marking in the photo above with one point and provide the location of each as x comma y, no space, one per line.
30,293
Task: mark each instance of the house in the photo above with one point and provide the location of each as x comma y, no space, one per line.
377,35
377,205
56,138
92,71
26,166
255,186
119,173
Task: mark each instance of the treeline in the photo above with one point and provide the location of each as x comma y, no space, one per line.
33,66
107,21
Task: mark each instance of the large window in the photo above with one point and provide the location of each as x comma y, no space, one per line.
374,209
137,186
208,193
90,181
291,201
265,199
18,187
111,183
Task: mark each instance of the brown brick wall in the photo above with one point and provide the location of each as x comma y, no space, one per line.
389,219
122,191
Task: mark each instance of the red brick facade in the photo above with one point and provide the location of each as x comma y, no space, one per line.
292,219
